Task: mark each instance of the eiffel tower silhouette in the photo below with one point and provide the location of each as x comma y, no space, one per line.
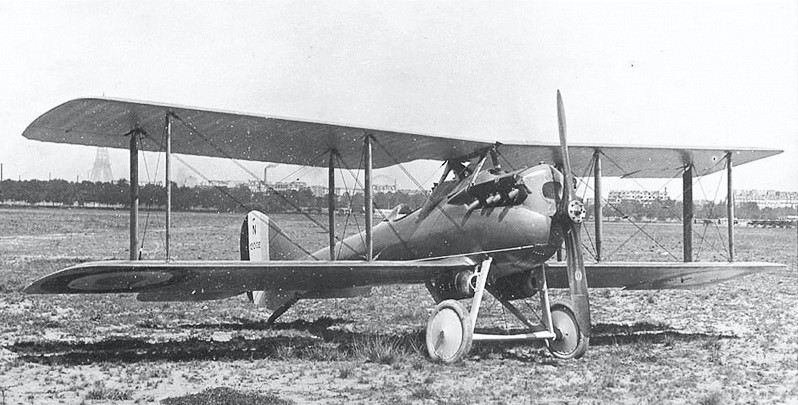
102,167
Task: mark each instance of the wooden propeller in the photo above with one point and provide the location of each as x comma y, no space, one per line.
570,215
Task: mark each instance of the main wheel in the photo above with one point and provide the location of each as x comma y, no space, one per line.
570,342
449,332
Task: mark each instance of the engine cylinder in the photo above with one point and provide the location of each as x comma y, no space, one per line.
516,286
454,286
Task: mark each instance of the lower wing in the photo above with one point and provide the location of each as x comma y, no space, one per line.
657,275
199,280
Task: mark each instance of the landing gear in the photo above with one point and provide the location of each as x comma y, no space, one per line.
449,332
570,342
450,329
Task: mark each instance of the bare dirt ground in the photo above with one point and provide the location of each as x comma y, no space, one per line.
735,342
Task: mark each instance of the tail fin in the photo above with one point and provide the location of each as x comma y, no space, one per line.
262,240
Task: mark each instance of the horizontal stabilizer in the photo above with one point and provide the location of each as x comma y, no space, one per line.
657,275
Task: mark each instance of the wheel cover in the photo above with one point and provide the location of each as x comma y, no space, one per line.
567,331
448,333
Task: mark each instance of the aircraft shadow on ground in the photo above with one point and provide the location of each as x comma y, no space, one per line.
325,343
644,334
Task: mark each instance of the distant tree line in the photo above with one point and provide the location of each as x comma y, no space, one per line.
241,199
663,210
225,199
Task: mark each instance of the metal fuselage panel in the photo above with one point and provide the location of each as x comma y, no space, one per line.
518,237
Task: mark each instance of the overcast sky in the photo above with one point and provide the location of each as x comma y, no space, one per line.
654,73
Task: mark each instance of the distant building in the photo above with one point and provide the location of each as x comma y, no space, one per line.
767,198
642,196
219,183
258,186
321,191
293,185
384,184
385,188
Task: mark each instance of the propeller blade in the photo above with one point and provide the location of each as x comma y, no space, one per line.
566,161
571,214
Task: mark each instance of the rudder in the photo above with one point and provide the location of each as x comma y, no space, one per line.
262,240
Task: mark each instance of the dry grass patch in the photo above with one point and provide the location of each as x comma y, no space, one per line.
101,392
386,349
227,396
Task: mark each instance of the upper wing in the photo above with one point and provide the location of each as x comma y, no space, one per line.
108,122
657,275
219,279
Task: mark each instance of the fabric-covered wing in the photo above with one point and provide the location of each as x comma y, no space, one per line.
108,123
657,275
223,279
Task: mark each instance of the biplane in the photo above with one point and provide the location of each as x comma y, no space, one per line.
493,221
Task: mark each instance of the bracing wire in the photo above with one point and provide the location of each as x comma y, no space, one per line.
635,224
244,168
342,164
640,229
147,217
717,228
401,167
706,225
224,191
356,177
698,181
149,179
590,247
349,213
374,205
501,155
413,179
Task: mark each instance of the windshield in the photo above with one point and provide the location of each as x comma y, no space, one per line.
544,187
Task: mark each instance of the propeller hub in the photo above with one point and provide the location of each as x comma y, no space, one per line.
576,211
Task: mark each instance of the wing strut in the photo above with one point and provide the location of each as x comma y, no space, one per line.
597,213
730,205
687,213
331,202
369,206
134,193
168,175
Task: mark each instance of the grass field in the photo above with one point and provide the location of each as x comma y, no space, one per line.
735,342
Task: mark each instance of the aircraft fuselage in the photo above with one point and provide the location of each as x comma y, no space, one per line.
518,235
